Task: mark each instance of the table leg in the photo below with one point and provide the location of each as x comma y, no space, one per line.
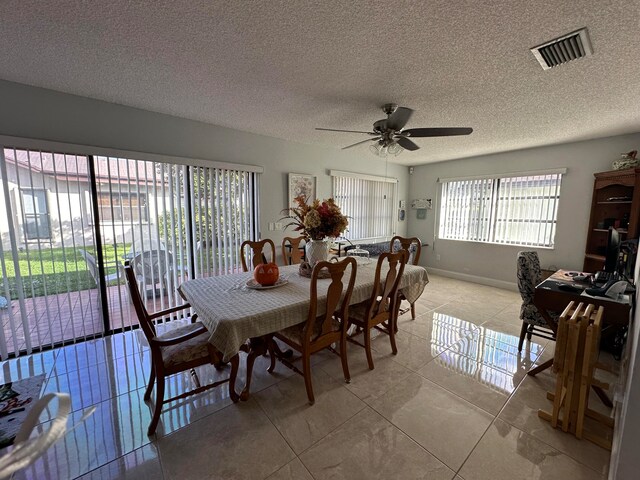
257,346
260,346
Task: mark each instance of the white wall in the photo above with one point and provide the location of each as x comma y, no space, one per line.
44,114
498,262
626,438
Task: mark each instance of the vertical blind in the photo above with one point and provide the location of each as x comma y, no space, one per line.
518,210
369,204
224,206
45,281
170,221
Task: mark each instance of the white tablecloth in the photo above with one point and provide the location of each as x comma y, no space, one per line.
233,313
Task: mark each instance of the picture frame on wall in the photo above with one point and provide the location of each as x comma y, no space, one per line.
301,184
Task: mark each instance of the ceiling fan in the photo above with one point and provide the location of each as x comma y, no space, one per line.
390,137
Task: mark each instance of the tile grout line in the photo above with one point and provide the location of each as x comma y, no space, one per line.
544,442
317,441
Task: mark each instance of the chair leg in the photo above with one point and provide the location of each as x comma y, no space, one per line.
413,311
523,333
343,359
158,409
392,336
367,346
306,370
152,379
235,361
529,332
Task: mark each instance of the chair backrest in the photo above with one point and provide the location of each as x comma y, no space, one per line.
529,275
150,267
413,245
91,265
143,316
291,253
333,306
384,295
257,254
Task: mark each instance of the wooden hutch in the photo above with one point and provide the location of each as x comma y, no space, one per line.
615,203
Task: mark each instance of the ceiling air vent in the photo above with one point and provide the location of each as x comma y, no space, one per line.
563,49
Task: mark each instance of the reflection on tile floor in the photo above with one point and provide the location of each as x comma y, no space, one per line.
454,403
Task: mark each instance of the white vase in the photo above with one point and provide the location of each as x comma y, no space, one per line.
316,251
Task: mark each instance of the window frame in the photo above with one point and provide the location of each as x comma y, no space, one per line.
495,202
108,208
393,220
35,216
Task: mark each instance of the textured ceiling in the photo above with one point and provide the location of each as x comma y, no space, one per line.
281,68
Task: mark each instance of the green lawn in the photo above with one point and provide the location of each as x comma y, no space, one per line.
57,270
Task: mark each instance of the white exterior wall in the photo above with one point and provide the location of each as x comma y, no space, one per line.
70,214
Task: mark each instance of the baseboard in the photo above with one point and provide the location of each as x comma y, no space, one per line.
475,279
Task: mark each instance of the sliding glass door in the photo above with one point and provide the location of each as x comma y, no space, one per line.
47,229
73,222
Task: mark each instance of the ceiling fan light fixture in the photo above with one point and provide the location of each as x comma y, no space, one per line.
395,149
378,149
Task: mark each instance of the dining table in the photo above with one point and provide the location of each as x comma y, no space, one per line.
240,318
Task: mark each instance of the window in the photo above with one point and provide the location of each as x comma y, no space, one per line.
122,207
368,202
515,210
36,215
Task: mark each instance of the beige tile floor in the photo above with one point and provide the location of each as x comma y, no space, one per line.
454,403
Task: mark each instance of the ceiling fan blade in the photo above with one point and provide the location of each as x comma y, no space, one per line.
380,126
348,131
437,132
407,144
359,143
399,118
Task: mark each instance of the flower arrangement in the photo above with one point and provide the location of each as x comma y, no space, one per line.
318,220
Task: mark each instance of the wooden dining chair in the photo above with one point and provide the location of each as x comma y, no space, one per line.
381,310
257,253
413,245
291,253
178,350
320,330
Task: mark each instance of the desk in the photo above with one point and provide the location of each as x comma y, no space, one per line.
548,297
234,313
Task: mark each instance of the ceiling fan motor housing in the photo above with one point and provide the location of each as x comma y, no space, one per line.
389,108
